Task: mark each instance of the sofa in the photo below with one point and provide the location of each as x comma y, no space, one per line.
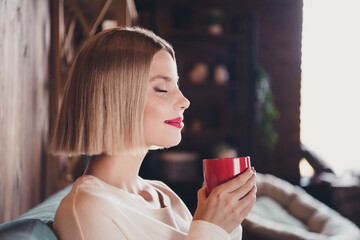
282,212
35,224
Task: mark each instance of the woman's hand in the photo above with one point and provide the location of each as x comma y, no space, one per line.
229,203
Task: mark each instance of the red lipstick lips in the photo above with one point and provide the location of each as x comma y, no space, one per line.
176,122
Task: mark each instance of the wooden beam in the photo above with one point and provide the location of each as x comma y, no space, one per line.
82,20
55,82
100,17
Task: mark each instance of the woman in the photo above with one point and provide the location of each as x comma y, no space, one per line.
122,99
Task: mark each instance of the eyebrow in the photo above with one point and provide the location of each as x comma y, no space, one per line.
163,77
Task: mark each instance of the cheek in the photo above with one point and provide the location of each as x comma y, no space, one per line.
154,115
153,110
156,132
153,120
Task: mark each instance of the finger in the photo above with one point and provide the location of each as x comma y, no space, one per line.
237,182
246,188
248,200
245,212
245,205
202,194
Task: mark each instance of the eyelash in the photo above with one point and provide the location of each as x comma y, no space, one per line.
160,90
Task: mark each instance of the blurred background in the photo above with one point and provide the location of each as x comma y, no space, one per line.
274,80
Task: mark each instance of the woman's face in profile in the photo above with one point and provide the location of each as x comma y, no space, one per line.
163,116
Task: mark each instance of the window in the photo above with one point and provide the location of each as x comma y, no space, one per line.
330,109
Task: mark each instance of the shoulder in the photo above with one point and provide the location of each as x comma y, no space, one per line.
86,188
87,197
87,211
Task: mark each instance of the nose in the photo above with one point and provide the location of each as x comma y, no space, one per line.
182,102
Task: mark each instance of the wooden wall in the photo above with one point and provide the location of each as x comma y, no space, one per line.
24,48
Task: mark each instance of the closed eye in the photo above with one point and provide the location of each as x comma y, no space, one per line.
161,90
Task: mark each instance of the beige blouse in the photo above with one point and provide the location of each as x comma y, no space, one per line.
96,210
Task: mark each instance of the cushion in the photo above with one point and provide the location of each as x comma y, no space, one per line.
30,229
285,211
36,223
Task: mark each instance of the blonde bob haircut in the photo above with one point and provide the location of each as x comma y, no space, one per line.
105,94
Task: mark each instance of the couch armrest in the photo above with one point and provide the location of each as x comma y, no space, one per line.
37,222
29,229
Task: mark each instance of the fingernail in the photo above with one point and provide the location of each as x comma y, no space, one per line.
253,169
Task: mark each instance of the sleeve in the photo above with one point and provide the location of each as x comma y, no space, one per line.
205,230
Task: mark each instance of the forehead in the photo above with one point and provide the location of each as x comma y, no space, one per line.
163,64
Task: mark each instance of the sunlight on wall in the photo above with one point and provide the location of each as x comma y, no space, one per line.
306,170
330,108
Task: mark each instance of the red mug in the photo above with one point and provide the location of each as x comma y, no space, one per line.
219,170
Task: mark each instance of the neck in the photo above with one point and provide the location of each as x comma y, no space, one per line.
121,170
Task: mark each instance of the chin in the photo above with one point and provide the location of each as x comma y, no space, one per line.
175,143
169,144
